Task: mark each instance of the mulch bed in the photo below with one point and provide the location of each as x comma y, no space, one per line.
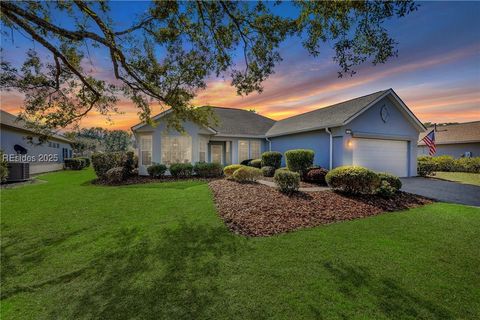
258,210
303,184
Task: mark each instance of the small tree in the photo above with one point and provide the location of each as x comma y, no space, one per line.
117,140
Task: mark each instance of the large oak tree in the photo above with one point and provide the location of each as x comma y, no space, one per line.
168,53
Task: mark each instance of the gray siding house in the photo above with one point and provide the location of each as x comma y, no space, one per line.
44,157
377,131
457,140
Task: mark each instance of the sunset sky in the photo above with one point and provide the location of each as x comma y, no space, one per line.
437,71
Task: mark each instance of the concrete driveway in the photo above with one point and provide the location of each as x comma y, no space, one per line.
441,190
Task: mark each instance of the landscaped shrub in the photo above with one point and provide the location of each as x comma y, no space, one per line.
268,171
229,170
75,163
287,181
392,180
272,159
256,163
86,159
208,170
468,164
181,170
102,162
157,170
129,163
115,175
316,175
425,166
386,190
353,180
3,167
247,174
246,162
299,160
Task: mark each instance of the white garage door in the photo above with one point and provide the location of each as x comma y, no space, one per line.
382,155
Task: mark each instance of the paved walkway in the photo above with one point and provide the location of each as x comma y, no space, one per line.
311,189
441,190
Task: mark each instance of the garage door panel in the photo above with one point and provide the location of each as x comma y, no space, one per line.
382,155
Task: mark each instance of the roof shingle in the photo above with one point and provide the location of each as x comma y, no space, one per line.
455,133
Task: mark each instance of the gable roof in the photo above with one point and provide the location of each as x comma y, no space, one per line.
10,120
466,132
336,115
238,122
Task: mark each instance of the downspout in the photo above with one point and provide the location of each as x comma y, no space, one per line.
269,144
327,130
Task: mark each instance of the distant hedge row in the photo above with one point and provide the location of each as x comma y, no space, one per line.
427,165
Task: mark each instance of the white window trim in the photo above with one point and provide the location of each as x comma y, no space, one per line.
143,149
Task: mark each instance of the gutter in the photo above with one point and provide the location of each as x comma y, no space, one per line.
327,130
269,144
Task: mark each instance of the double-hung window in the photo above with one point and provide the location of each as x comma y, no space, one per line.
255,149
248,149
146,150
242,150
176,149
202,149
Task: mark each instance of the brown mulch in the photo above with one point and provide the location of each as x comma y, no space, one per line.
303,184
258,210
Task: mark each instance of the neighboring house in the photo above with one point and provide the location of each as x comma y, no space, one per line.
457,140
44,157
377,131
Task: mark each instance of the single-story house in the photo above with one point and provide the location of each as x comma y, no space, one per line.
377,131
45,157
457,140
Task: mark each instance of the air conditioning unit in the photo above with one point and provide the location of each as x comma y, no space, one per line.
18,171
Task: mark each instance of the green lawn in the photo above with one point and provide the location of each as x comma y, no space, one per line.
71,250
462,177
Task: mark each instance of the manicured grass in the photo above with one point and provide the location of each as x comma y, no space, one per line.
71,250
462,177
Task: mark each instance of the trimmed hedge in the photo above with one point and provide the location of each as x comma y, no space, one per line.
272,159
392,180
229,170
353,180
246,162
268,171
426,164
316,175
115,175
75,163
386,190
208,170
247,174
256,163
102,162
87,161
181,170
287,181
157,170
299,160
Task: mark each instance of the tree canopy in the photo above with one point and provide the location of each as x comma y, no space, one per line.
166,55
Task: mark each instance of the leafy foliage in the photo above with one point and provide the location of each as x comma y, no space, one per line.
353,180
247,174
117,140
102,162
3,167
157,170
229,170
181,170
316,175
256,163
299,160
75,163
272,159
386,190
287,181
392,180
268,171
208,170
165,56
427,165
115,175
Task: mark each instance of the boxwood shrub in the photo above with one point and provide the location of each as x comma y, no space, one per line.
386,190
392,180
287,181
75,163
353,180
427,165
157,170
247,174
208,170
229,170
299,160
256,163
272,159
181,170
268,171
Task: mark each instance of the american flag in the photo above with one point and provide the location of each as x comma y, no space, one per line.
429,140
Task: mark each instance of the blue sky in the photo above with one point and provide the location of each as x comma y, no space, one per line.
437,71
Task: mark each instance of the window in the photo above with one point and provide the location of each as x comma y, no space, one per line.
228,153
176,149
242,150
254,149
202,149
146,150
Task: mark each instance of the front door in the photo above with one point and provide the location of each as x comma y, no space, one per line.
217,153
